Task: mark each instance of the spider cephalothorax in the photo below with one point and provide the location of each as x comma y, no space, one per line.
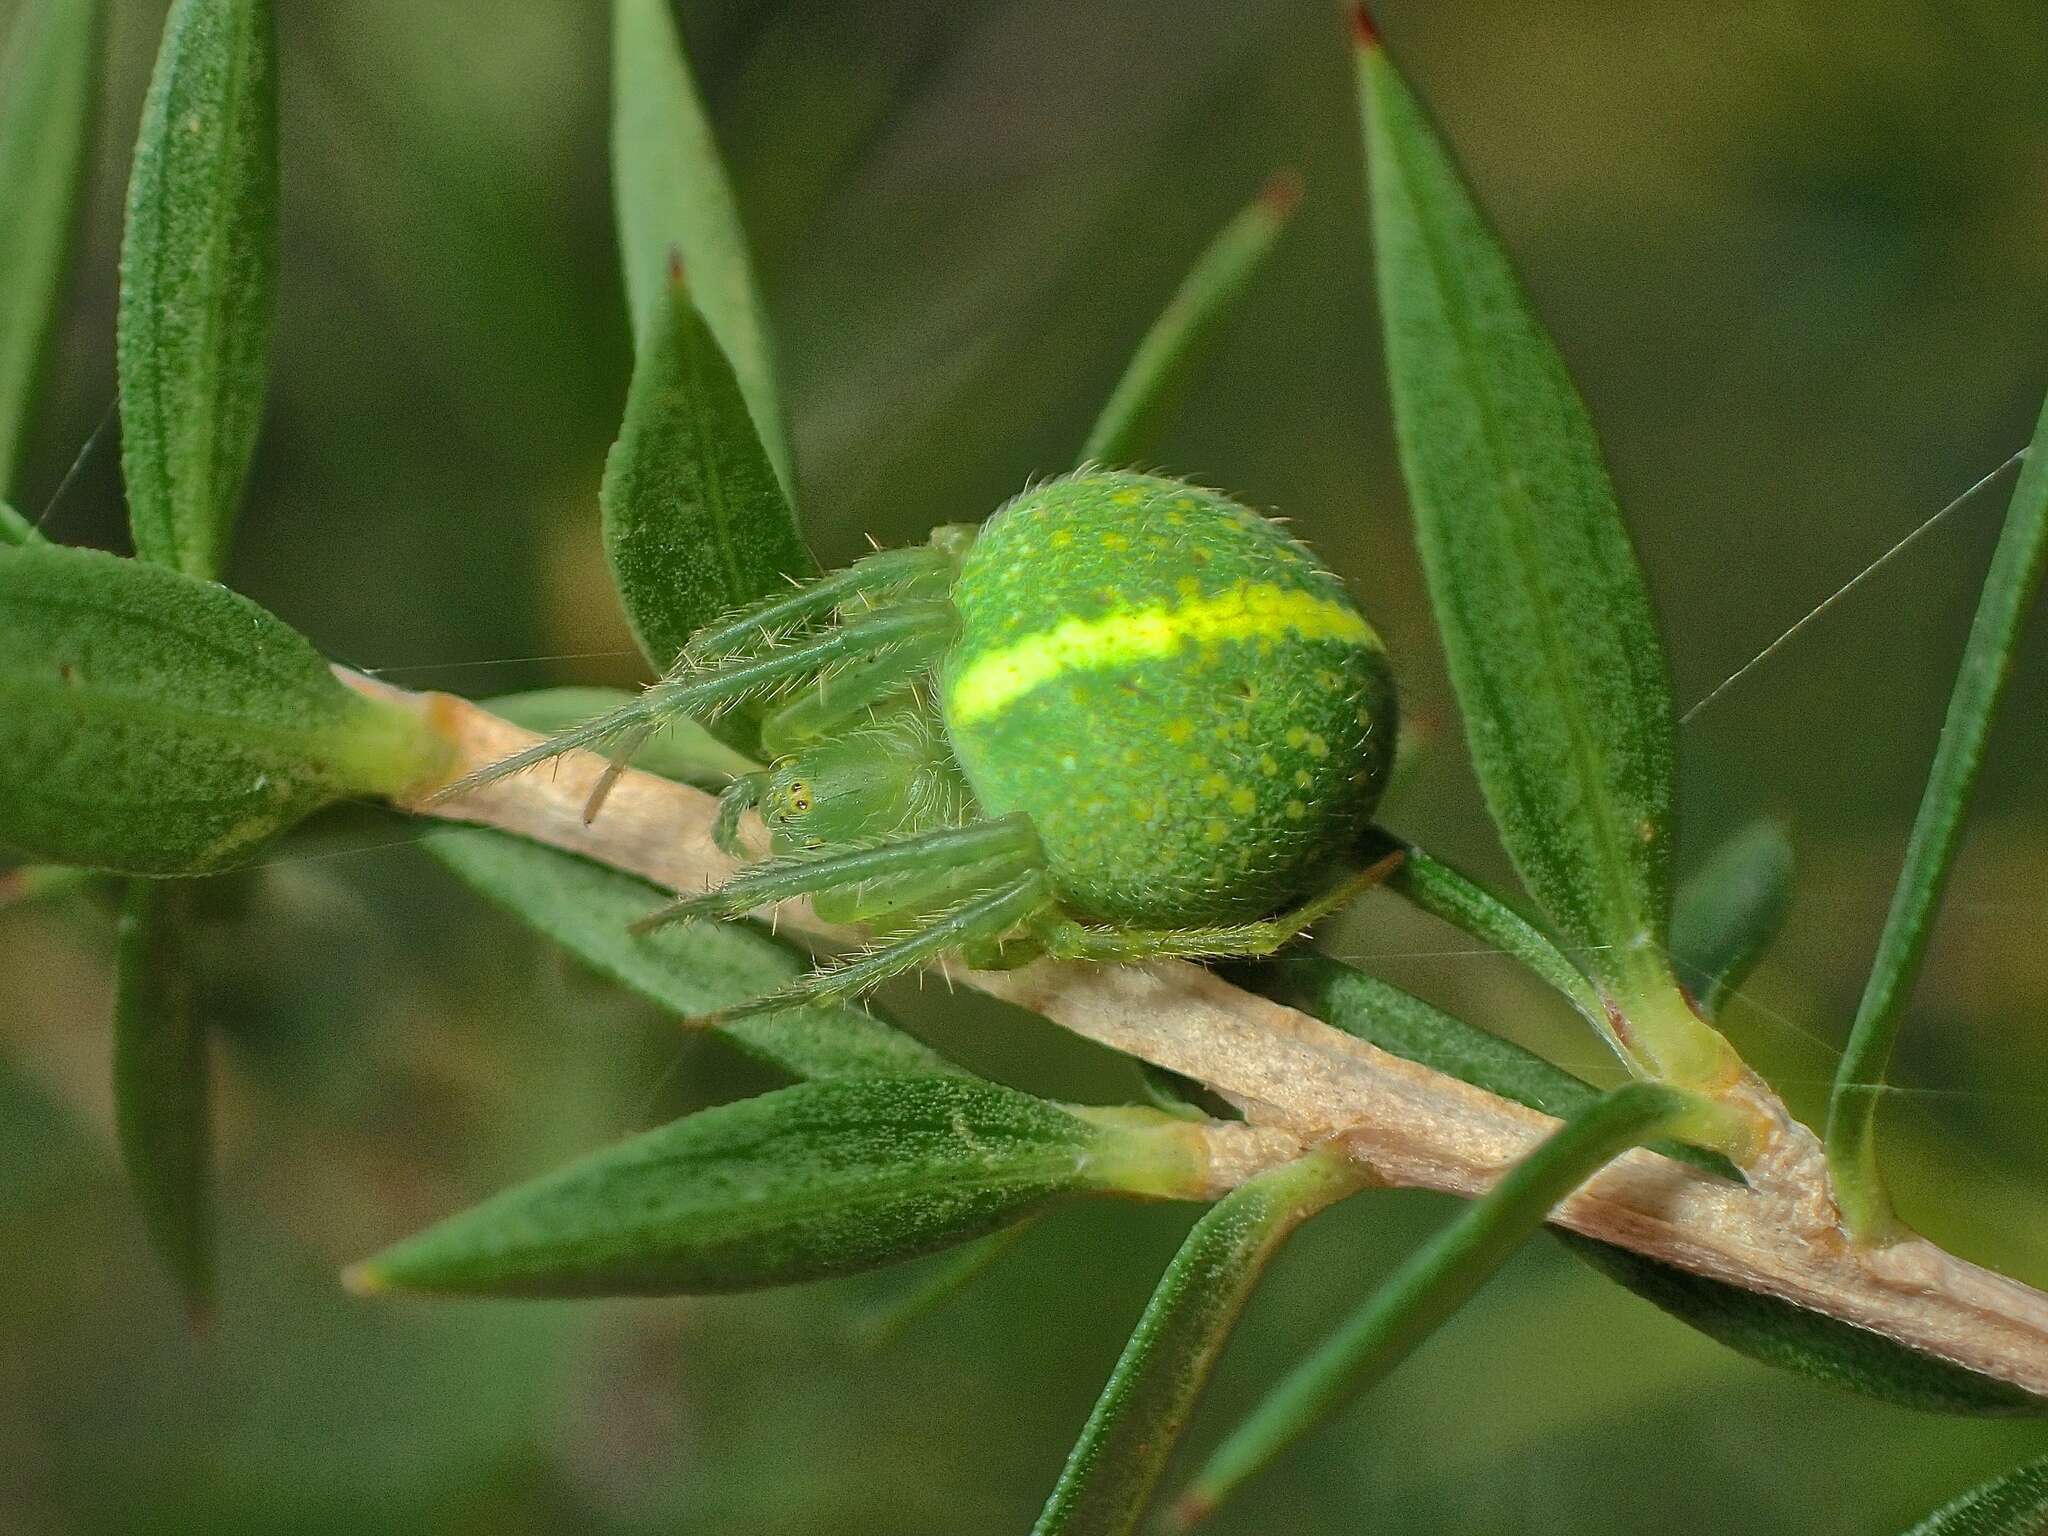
1125,718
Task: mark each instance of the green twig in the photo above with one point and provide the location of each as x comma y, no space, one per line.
2015,574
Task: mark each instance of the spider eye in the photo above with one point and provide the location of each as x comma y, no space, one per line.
790,800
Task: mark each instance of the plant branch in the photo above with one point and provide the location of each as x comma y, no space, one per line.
1300,1082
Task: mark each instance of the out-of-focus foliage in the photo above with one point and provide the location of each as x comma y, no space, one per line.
1796,265
46,116
161,1077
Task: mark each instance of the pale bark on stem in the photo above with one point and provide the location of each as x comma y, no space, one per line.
1299,1082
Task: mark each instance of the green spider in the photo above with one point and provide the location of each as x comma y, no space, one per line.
1126,718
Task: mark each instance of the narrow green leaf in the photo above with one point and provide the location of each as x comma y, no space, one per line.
690,969
198,280
1728,914
2009,587
2014,1503
198,274
16,529
1765,1329
1443,892
695,522
198,269
190,351
1437,1280
1116,1464
952,1274
160,1085
1545,618
1822,1349
674,202
682,749
825,1178
158,724
47,79
1154,385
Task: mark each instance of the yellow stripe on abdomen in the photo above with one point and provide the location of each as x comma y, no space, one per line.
1247,611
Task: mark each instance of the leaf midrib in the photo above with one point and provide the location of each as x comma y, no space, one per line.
284,740
744,1218
696,334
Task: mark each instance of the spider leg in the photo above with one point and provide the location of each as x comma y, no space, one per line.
1079,941
894,904
978,921
621,754
840,696
1005,952
756,627
1008,843
695,692
738,797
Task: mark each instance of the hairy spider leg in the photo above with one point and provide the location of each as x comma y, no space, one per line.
737,798
838,694
621,754
1069,940
980,921
839,697
723,686
762,623
895,904
1008,843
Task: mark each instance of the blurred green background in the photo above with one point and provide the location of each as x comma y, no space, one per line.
1798,257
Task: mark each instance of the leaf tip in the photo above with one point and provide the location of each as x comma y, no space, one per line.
366,1278
1365,32
1281,194
1194,1506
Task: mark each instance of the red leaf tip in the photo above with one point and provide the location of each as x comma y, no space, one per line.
1365,33
675,266
1282,192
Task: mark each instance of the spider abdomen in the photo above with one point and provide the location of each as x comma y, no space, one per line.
1187,705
